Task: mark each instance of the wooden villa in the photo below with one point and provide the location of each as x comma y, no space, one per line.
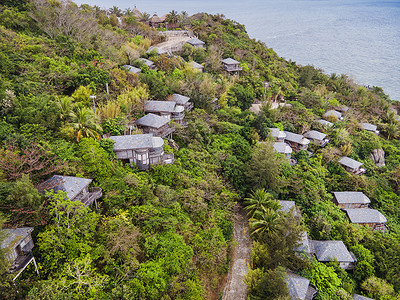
277,134
195,42
155,21
317,137
167,109
132,69
296,141
351,165
77,188
347,200
300,287
181,100
326,251
372,218
156,125
231,65
18,244
142,150
370,127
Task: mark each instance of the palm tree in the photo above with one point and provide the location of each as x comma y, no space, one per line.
66,107
259,201
183,18
84,123
144,17
115,11
392,130
172,17
265,221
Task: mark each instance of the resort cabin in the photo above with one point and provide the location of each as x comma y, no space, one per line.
195,42
347,200
156,50
359,297
325,123
156,125
147,62
333,114
283,148
196,66
181,100
141,150
296,141
288,206
299,287
277,134
132,69
370,127
136,13
304,244
343,109
167,109
372,218
317,137
76,188
351,165
155,21
18,244
231,65
326,251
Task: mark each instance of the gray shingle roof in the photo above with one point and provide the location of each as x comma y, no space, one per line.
286,205
136,141
359,297
331,113
282,147
315,135
365,215
277,133
152,120
147,62
368,126
159,106
14,236
330,250
351,197
325,123
132,69
195,42
179,99
297,286
159,51
296,138
349,162
196,65
69,184
230,61
304,243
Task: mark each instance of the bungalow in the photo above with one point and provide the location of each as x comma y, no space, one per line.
351,200
296,141
132,69
343,109
142,150
136,13
77,188
195,42
367,216
283,148
326,251
370,127
147,62
155,21
181,100
352,165
277,134
317,137
325,123
167,109
231,65
156,125
333,114
300,287
304,244
18,244
359,297
196,66
288,206
156,50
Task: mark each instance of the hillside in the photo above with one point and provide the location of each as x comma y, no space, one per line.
165,230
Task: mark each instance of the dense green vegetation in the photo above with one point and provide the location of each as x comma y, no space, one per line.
166,233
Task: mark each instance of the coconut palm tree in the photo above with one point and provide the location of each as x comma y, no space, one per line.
115,10
264,222
66,106
144,17
84,123
172,17
183,18
259,201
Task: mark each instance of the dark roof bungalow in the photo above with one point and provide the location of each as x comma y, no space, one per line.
351,165
182,101
277,134
231,65
195,42
168,109
300,287
367,216
370,127
283,148
326,251
359,297
147,62
317,137
296,141
288,206
156,125
325,123
351,199
132,69
196,66
157,50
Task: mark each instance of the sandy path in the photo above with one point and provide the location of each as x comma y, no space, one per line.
173,43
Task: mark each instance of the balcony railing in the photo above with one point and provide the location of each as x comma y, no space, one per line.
163,132
94,194
233,68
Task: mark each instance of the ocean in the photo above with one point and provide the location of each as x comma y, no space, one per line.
358,38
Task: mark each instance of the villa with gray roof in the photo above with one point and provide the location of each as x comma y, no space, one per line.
196,66
333,114
195,42
76,188
18,244
132,69
288,206
142,150
181,100
372,218
277,134
351,165
167,109
325,123
156,50
296,141
350,200
231,65
283,148
147,62
304,244
370,127
326,251
300,287
359,297
317,137
156,125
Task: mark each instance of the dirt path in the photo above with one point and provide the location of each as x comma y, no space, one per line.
235,288
174,43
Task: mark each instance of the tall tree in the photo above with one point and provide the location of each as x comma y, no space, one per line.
84,123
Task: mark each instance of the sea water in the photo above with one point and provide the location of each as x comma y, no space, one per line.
358,38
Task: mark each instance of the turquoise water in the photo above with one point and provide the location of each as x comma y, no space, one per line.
358,38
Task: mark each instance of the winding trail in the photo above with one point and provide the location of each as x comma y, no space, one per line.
235,288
